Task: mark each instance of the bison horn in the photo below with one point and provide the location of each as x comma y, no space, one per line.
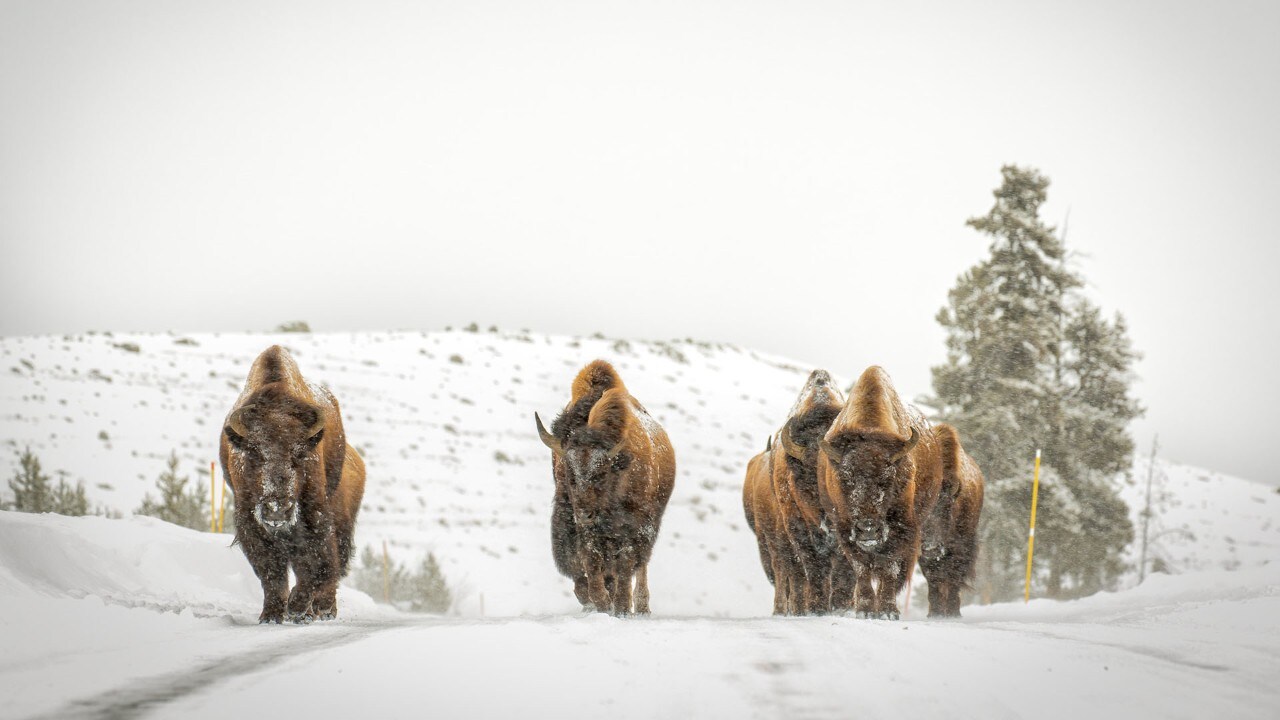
768,443
316,426
547,438
236,423
915,438
791,447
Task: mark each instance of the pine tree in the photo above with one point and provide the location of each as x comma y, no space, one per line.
177,504
428,590
68,500
1032,364
31,488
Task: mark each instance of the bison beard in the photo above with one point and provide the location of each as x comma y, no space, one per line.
614,471
297,485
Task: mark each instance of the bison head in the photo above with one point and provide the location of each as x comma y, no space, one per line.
594,450
874,471
274,449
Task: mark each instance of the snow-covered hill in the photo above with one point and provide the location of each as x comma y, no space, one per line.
444,420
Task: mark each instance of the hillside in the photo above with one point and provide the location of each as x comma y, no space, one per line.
445,422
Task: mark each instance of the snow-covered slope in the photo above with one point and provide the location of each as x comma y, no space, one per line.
444,420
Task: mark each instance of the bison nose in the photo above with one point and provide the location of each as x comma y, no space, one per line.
866,532
277,514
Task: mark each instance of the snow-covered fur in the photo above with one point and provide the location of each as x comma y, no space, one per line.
614,471
879,476
297,485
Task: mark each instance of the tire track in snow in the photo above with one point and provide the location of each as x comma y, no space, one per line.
149,694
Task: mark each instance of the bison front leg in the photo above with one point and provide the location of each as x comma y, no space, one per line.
272,570
864,594
316,594
642,589
892,580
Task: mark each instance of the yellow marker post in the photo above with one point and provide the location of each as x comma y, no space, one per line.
222,500
1031,535
386,574
213,501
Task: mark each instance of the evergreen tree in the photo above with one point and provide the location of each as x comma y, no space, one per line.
1032,364
34,492
31,488
177,504
428,590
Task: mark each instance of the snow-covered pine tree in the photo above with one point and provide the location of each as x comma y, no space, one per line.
177,504
1031,364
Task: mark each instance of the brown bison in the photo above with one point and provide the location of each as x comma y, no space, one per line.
760,504
880,476
614,471
817,575
950,540
297,486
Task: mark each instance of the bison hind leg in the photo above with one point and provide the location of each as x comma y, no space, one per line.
299,606
642,589
324,604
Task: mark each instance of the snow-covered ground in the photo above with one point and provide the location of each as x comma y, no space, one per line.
106,617
116,618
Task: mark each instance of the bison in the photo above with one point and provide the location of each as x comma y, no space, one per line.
949,545
297,486
614,471
879,476
760,504
817,575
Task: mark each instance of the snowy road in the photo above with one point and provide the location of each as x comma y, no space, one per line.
1168,660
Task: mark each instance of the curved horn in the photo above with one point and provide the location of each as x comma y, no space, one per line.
792,448
915,438
768,443
236,423
318,425
547,438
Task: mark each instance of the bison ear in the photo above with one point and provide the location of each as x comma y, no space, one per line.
906,447
316,425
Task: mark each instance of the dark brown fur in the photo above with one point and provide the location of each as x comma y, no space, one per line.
310,482
814,571
877,504
950,543
614,470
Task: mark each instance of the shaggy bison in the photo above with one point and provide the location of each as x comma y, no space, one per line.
760,505
880,477
949,545
614,471
818,577
297,486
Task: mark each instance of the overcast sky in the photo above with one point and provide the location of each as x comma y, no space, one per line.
790,176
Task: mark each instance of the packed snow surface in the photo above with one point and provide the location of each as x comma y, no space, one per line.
115,618
119,617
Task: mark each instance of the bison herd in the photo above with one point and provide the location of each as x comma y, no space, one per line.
846,498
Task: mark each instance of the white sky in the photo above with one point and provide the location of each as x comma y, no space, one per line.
791,176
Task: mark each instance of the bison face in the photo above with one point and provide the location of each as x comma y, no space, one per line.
591,455
274,451
873,470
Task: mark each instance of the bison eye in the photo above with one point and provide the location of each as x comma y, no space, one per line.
236,440
314,440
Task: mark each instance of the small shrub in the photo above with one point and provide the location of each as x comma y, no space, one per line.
294,326
422,590
34,492
128,347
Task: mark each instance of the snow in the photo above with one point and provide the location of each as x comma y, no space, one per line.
119,617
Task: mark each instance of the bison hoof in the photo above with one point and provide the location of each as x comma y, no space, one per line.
327,615
864,615
890,615
270,618
301,618
588,607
